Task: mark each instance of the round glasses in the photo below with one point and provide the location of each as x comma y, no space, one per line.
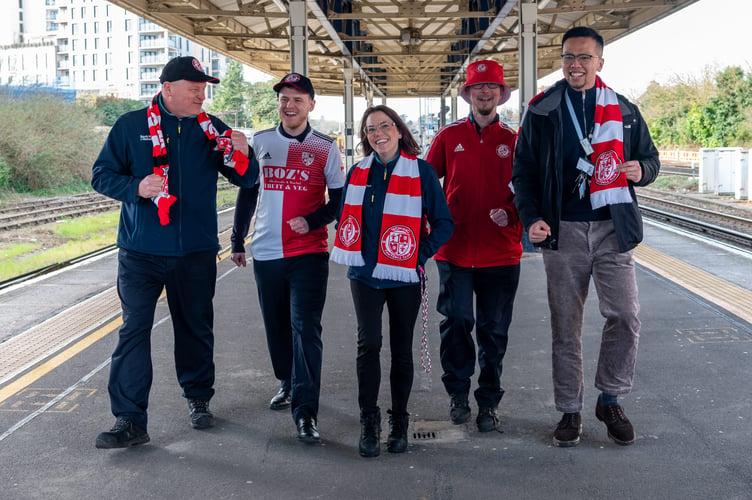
479,86
382,126
581,58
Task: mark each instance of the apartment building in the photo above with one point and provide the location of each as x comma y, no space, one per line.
90,46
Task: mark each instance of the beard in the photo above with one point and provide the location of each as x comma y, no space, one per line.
486,110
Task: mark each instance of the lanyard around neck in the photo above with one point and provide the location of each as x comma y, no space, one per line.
584,142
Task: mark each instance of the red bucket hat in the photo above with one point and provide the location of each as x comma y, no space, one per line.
486,71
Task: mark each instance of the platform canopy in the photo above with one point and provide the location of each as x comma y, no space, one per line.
396,48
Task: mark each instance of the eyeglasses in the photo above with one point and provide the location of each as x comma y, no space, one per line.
581,58
383,127
479,86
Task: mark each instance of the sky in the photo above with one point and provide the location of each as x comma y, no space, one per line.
709,34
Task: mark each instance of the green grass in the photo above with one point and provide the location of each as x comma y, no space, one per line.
15,250
35,248
83,227
56,242
678,183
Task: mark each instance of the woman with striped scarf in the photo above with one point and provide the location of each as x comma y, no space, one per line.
391,198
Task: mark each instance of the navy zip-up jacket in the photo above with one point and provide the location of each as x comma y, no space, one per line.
126,158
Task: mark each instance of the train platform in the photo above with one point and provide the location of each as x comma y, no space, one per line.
691,404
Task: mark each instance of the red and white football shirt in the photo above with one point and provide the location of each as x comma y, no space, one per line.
293,180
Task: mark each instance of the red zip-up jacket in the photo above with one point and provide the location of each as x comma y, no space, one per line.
477,172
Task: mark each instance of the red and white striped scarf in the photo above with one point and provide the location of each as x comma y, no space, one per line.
233,159
400,222
607,185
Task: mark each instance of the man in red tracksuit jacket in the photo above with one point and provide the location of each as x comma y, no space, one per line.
482,258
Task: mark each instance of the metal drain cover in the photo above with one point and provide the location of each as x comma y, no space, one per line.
436,431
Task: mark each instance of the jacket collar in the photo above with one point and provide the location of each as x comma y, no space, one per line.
549,101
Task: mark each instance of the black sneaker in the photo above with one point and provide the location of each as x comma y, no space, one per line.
619,427
201,417
459,413
487,419
122,435
568,431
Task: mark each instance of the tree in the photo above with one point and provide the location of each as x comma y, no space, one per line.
262,105
715,111
110,108
229,100
725,113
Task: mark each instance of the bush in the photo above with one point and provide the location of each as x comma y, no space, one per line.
46,143
4,175
110,108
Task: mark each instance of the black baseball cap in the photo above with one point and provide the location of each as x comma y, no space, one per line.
298,82
185,68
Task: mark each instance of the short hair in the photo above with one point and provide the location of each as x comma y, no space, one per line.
407,142
583,31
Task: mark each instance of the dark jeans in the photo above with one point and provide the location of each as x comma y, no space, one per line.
190,282
403,304
494,289
292,292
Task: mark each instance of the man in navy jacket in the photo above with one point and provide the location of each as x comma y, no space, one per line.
172,247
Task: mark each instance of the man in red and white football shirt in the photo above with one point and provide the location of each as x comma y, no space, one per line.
289,245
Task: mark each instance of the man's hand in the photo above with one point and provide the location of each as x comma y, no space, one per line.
632,170
238,258
538,231
299,225
499,216
239,141
150,186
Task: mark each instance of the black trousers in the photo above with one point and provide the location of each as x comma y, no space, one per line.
494,289
292,293
190,283
403,304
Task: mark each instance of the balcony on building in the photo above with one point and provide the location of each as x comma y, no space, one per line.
151,41
145,26
150,75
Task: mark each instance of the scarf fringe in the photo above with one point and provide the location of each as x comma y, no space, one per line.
347,257
389,272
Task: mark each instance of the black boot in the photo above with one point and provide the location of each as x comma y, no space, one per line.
397,441
370,433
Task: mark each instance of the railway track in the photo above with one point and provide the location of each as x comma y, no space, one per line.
44,211
25,214
711,220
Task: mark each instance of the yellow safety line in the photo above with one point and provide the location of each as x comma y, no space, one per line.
52,363
43,369
731,297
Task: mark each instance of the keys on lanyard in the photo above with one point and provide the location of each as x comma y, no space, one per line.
583,179
581,184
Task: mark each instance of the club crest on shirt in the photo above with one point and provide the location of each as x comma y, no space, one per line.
307,158
398,243
349,231
606,170
503,151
